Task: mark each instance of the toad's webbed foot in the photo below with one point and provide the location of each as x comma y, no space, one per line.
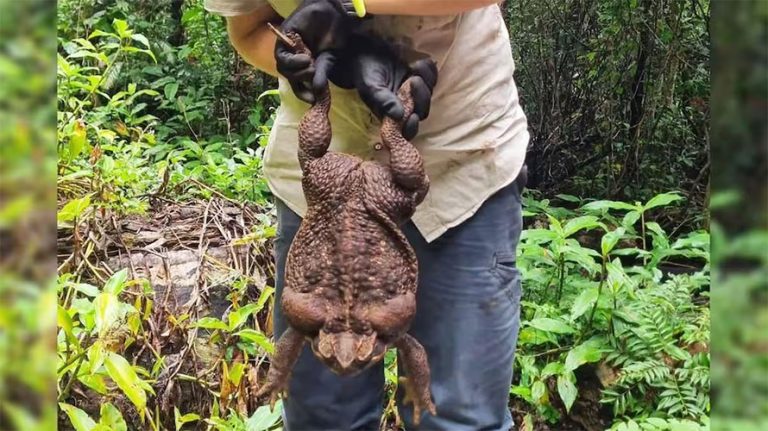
287,352
416,384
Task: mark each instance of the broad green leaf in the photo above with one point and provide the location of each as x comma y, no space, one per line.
555,226
698,240
580,223
586,352
180,420
583,302
656,228
107,311
606,205
64,321
538,390
568,198
538,236
79,419
657,422
211,323
86,289
263,419
256,337
582,256
101,33
662,200
112,418
567,391
95,382
141,39
116,282
73,209
630,219
236,373
96,355
610,239
77,140
170,90
238,317
266,293
121,27
552,368
550,325
123,374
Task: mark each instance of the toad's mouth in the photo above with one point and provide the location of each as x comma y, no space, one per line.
348,352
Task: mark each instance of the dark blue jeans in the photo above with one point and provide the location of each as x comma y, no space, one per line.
467,319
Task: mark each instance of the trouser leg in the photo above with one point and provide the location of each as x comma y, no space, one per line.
468,316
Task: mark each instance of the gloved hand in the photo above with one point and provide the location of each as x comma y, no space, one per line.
377,74
324,26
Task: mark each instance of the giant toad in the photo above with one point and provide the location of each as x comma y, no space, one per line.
351,275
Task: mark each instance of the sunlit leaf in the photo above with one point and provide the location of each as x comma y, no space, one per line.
123,374
550,325
586,352
585,301
78,418
580,223
116,282
538,391
73,209
111,418
107,309
662,200
263,419
606,205
258,338
211,323
77,140
567,391
610,239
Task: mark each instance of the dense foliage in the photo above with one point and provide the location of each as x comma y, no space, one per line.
157,112
617,96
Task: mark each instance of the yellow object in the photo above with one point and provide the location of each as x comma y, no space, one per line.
359,6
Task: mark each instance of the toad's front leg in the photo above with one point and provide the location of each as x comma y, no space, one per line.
286,354
414,359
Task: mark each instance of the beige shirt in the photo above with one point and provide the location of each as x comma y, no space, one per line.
475,138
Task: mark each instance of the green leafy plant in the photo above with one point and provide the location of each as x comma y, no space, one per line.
603,302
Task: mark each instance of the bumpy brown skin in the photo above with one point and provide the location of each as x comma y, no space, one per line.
351,275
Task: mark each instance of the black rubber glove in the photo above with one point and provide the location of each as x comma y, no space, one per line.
377,74
324,26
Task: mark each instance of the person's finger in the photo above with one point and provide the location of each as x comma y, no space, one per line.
382,101
427,69
411,127
323,65
288,61
422,96
302,91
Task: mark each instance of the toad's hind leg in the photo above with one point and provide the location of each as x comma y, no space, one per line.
414,359
405,162
286,354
